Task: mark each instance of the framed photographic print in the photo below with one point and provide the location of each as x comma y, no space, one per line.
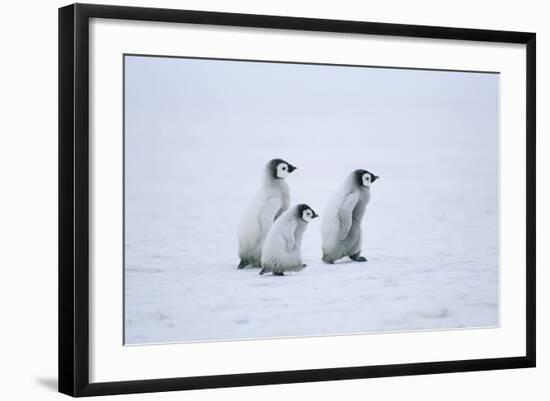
250,199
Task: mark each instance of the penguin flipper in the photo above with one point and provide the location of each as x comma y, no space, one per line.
345,214
289,235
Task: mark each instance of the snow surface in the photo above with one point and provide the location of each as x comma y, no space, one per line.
198,134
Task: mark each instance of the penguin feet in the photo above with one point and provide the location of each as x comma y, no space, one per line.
358,258
304,265
278,274
248,263
328,260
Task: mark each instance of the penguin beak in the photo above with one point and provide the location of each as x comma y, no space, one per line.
291,168
314,215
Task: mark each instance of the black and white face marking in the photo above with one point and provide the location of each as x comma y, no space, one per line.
306,213
365,178
281,168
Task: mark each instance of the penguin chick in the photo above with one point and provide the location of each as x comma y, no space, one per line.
341,226
282,251
270,202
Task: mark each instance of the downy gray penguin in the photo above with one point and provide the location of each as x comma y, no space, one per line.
282,251
270,202
341,226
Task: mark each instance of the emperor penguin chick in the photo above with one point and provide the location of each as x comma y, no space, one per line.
270,202
341,226
282,251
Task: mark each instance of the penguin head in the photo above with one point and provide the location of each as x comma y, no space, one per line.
280,168
306,213
364,178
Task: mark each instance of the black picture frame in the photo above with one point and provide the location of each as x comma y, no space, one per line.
74,198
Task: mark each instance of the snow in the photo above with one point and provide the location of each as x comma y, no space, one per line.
198,134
